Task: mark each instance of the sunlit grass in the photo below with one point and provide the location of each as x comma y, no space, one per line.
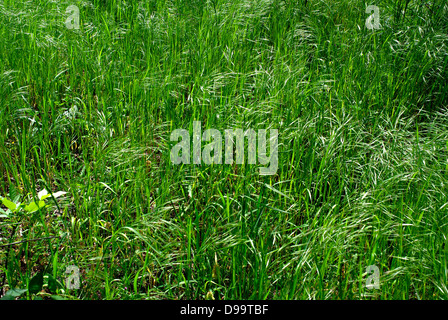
363,147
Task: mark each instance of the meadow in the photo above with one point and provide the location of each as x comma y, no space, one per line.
362,177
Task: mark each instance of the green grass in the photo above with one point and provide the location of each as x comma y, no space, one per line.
363,148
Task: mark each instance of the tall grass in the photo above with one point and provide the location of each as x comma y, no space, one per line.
363,151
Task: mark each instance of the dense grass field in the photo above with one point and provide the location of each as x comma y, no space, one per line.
362,176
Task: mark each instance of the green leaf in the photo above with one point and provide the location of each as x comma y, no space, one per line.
34,207
36,283
3,213
13,293
52,284
55,297
9,204
31,207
